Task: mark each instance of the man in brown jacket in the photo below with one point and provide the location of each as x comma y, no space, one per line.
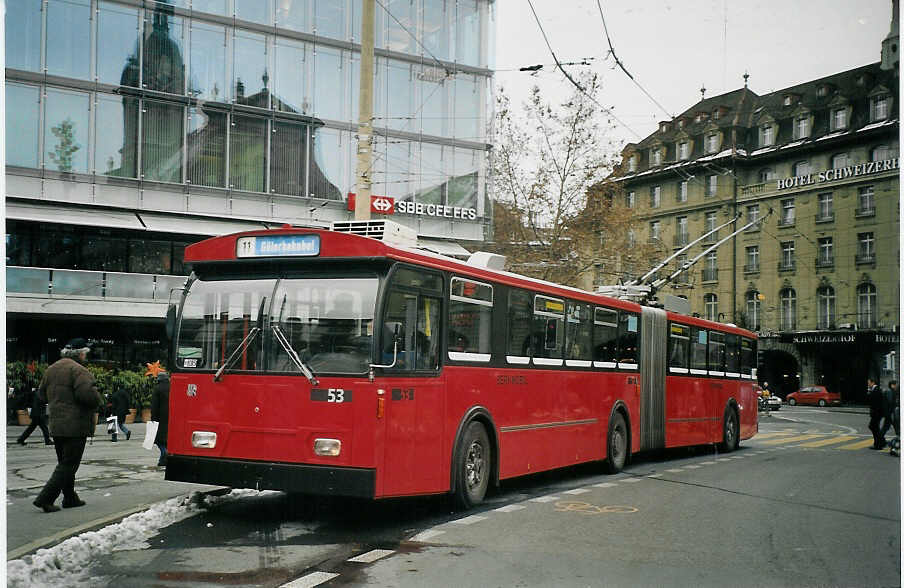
73,400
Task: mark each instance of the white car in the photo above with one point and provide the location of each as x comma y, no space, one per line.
773,402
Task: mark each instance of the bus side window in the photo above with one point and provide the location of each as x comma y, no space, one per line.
519,321
679,346
470,317
699,340
732,354
605,336
547,337
717,352
628,338
748,356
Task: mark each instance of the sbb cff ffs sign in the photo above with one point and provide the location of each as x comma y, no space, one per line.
378,204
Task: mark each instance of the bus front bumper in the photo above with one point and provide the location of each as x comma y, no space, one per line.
265,475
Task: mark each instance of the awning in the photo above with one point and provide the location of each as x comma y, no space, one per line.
72,215
185,225
449,248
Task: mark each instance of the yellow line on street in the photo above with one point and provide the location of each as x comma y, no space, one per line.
791,439
830,441
768,435
858,445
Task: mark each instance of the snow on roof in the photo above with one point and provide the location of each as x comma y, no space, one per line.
763,150
832,135
794,144
877,125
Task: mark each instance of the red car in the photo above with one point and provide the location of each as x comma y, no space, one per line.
816,395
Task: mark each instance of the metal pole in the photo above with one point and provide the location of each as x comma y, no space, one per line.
365,112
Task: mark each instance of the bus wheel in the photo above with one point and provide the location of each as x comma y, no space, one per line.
472,466
730,431
616,444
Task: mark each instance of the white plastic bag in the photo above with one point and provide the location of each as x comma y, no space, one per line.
112,423
150,433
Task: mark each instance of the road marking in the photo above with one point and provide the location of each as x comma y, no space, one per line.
830,441
791,439
372,556
577,491
723,459
425,535
707,463
692,467
544,499
312,579
631,480
858,444
510,508
655,476
605,485
675,470
768,435
591,509
469,520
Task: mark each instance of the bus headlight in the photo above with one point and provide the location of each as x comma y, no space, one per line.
204,439
327,447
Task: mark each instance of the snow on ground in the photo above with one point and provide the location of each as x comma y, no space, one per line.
68,563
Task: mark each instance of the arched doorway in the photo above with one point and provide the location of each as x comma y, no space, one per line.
780,369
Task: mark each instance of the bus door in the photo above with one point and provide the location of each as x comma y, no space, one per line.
415,394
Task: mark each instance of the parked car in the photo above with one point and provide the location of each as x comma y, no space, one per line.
815,395
773,402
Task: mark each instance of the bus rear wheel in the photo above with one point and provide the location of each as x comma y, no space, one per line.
730,431
473,460
616,444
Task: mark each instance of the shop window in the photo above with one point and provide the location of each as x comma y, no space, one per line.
150,257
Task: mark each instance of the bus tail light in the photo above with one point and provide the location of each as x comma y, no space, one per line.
204,439
327,447
381,403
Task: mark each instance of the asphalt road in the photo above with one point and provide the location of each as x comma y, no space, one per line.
802,504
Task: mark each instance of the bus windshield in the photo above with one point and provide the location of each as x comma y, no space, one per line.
322,324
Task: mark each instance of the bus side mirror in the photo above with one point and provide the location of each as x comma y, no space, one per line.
170,321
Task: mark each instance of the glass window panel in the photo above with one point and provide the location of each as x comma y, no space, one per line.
395,23
248,153
462,190
208,62
547,337
628,338
163,64
260,11
23,34
329,167
467,32
354,85
103,252
116,136
679,346
18,243
56,246
210,6
150,257
605,335
698,348
329,18
435,28
69,38
291,88
399,104
206,147
355,8
733,354
161,142
520,311
117,44
433,102
431,174
717,354
467,107
329,84
579,335
469,327
287,158
393,175
66,131
22,125
294,14
250,69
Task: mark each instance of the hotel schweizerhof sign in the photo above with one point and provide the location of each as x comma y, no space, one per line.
839,173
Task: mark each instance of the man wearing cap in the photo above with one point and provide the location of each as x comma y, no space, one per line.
73,400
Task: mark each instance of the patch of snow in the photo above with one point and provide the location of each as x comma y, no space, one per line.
832,135
876,125
763,150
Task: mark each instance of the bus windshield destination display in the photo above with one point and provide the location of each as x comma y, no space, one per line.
278,245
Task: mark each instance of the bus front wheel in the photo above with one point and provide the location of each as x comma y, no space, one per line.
472,466
616,444
730,431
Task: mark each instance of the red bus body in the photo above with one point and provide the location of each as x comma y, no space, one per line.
398,432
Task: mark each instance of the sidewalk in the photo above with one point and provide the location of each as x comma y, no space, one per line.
115,480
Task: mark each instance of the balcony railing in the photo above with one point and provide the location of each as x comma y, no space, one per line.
754,189
751,268
786,265
826,217
710,275
825,261
786,221
865,258
90,284
861,212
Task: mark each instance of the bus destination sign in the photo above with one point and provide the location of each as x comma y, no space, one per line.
278,246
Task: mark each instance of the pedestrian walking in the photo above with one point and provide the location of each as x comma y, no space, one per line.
891,397
73,400
38,419
877,411
120,408
160,413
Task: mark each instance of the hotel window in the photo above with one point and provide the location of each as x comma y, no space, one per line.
787,259
788,309
866,306
663,127
711,267
787,217
710,307
866,248
841,160
866,203
802,127
767,174
655,196
681,262
767,135
655,156
712,142
684,150
826,252
839,119
753,214
752,259
709,224
682,191
801,168
629,199
788,100
826,211
825,307
712,183
632,163
655,231
879,108
681,235
753,310
881,153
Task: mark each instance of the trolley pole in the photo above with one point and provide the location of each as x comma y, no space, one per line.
365,113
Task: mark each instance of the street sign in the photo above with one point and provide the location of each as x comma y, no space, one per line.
378,204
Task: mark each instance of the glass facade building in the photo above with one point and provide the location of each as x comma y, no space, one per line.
198,117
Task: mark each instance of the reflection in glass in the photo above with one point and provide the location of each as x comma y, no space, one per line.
57,248
251,78
210,6
260,11
288,153
161,142
329,171
23,35
208,62
68,38
164,62
431,174
462,190
329,18
293,14
432,98
100,251
329,84
435,29
395,174
248,153
467,107
467,33
290,93
117,43
150,257
206,147
66,131
22,120
116,136
391,30
399,103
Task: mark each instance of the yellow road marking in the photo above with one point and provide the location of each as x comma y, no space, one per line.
759,436
858,445
831,441
791,439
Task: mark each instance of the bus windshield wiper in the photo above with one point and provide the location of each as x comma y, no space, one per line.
236,352
293,355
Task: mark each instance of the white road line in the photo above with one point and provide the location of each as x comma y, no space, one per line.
544,499
510,508
312,579
632,480
675,470
605,485
707,463
577,491
692,467
372,556
469,520
655,476
723,459
425,535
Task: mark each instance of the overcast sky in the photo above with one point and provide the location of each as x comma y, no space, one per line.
674,48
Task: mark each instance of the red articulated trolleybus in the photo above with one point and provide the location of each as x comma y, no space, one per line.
327,362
